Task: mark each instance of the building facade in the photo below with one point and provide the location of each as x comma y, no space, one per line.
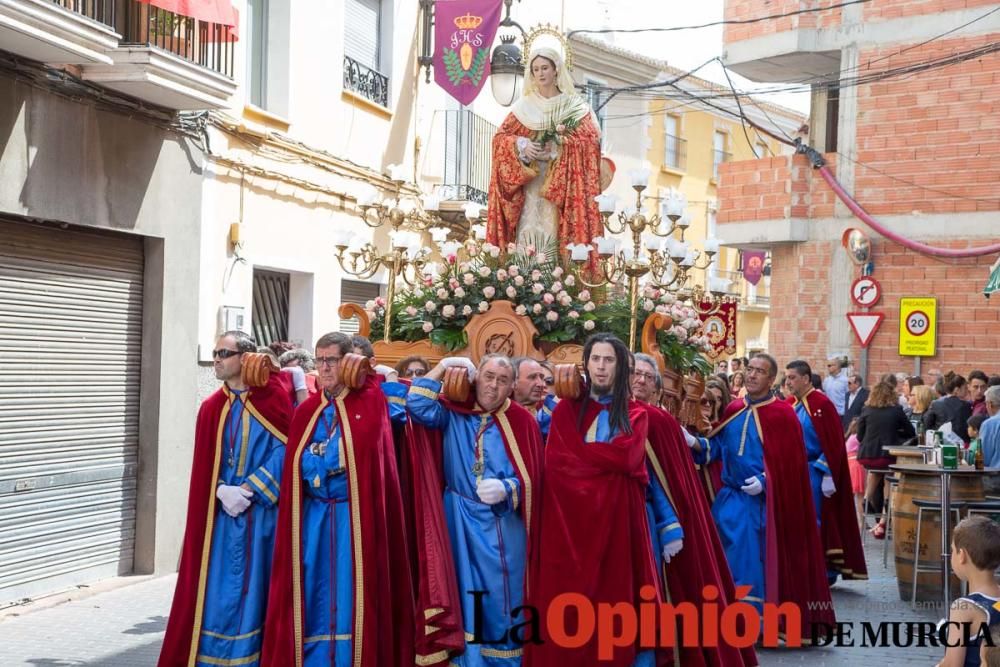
904,112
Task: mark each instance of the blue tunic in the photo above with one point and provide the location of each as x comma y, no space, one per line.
327,562
488,542
239,567
543,415
395,396
818,467
740,517
663,524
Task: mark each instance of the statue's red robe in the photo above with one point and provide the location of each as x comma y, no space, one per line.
571,183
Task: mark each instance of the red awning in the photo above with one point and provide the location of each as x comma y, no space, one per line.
212,11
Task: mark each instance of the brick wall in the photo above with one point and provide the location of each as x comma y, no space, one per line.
774,188
939,129
968,333
749,9
881,10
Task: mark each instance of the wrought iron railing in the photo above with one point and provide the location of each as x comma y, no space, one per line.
209,45
718,157
468,139
366,82
750,295
102,11
675,152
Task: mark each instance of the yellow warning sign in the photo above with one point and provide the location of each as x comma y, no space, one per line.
917,326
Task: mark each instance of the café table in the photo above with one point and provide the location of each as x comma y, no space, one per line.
931,482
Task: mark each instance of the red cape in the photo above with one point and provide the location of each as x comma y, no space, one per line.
438,599
272,406
383,607
839,522
795,570
702,561
594,536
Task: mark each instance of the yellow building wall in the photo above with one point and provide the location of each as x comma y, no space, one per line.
694,178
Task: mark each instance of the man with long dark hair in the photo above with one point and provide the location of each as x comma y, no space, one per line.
595,539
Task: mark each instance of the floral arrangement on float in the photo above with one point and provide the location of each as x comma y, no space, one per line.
473,275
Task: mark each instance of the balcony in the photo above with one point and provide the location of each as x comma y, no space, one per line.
719,157
675,153
751,297
468,140
61,32
170,60
366,82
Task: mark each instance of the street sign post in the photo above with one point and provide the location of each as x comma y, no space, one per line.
865,325
866,291
917,326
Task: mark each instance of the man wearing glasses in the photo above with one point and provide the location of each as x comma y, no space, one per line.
531,391
768,531
222,586
341,584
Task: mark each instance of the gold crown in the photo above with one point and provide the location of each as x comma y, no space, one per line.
468,22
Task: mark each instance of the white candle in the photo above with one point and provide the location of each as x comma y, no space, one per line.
718,285
711,244
430,269
479,231
639,177
439,234
472,210
398,240
675,204
678,249
606,202
450,248
367,196
355,245
689,259
578,252
432,202
605,245
342,238
397,173
628,253
685,221
652,243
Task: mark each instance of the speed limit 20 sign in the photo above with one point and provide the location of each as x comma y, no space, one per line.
917,326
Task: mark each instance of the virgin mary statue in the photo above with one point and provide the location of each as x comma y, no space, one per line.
546,162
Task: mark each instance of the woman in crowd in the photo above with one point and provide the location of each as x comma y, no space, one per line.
953,407
736,383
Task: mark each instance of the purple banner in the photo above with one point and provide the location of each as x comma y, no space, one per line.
753,265
463,36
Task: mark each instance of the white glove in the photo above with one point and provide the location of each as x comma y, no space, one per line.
235,499
689,439
465,362
828,487
491,491
388,372
298,376
753,486
671,549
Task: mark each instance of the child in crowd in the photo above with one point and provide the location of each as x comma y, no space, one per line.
975,423
975,554
856,469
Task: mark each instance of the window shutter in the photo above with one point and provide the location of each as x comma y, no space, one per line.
356,291
361,34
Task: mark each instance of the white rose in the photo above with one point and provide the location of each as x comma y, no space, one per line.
648,292
459,293
537,308
448,311
484,272
519,281
430,306
556,272
419,293
537,288
570,281
565,300
442,294
589,325
584,295
494,252
661,309
589,306
501,275
647,304
466,310
573,314
536,275
489,291
468,279
513,270
427,327
521,310
483,306
463,267
411,311
557,286
552,316
370,304
511,292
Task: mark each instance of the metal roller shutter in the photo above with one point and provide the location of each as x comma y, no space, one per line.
70,345
362,20
356,291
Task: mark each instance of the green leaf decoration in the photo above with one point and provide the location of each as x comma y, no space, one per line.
478,67
453,66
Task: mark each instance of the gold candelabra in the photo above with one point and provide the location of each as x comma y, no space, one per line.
666,262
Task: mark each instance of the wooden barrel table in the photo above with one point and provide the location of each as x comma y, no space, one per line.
924,482
906,455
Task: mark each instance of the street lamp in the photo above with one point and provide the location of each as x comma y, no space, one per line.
506,71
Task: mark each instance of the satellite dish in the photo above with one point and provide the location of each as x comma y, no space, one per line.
858,247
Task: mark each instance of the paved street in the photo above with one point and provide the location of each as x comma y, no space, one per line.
124,627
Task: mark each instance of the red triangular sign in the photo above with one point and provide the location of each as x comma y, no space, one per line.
865,325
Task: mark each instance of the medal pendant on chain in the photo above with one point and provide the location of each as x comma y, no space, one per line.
477,468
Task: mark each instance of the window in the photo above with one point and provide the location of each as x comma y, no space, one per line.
761,149
595,98
362,23
356,291
673,154
719,154
256,32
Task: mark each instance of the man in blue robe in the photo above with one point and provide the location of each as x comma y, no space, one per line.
222,589
491,451
531,391
798,376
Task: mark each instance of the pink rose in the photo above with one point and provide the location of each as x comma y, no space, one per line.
430,306
584,295
573,314
511,292
483,306
589,306
459,293
411,311
451,258
536,275
484,272
466,310
537,308
452,283
489,291
548,298
468,279
448,311
380,301
537,288
501,275
557,286
521,310
570,281
565,300
588,325
513,270
530,250
442,294
519,281
557,272
552,316
427,327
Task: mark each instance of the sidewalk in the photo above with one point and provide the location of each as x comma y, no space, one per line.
124,627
